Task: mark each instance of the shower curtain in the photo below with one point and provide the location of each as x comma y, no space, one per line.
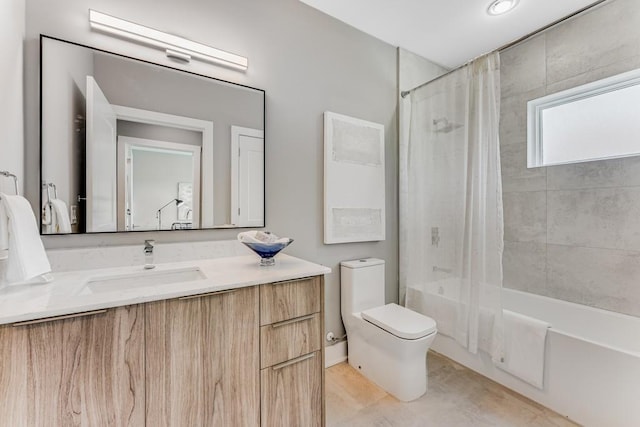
451,227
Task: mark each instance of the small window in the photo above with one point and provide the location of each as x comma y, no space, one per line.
599,120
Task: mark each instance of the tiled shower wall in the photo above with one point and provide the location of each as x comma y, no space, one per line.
572,232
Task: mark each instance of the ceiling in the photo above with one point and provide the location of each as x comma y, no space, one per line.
447,32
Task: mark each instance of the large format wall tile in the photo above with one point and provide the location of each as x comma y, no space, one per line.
601,278
606,35
571,231
598,218
515,174
534,181
600,174
595,74
524,266
525,216
522,67
513,116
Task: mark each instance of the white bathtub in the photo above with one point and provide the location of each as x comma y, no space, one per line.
592,361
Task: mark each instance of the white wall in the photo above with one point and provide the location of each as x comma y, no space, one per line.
155,182
159,133
306,61
12,29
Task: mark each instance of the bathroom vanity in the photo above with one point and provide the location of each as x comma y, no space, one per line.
241,346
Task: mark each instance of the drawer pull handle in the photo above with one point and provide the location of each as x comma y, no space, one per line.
66,316
293,361
228,291
291,321
284,282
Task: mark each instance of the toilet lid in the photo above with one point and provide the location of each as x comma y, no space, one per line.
400,321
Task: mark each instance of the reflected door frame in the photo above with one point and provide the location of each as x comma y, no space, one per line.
244,143
207,190
125,146
101,191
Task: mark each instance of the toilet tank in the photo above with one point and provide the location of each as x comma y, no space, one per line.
361,285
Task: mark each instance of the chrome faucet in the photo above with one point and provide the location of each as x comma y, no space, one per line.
148,254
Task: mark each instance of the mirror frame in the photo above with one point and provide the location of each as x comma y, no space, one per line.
40,182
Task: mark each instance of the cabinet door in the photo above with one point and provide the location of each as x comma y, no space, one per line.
14,365
81,371
289,339
203,360
232,359
173,349
292,392
290,299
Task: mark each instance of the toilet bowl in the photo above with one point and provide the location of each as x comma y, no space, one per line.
387,343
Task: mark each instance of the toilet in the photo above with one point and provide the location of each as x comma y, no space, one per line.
388,344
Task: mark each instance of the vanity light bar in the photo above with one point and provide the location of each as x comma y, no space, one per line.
174,46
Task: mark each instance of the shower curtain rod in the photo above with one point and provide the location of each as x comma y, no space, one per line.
404,93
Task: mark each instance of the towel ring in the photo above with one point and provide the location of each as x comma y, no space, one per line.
8,174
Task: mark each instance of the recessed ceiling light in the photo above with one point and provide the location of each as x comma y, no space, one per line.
498,7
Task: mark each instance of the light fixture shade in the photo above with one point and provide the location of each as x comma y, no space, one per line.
498,7
176,46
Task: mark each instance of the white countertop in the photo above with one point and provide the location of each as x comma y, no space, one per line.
66,294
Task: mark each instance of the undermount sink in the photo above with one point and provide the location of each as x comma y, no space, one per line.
141,279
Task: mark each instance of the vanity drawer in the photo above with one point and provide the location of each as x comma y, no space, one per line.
289,299
292,393
289,339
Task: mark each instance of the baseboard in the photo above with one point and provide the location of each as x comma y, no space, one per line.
335,354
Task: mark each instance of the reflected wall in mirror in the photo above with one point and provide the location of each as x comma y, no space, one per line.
595,121
127,145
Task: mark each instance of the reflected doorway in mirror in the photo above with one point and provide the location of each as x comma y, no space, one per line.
152,173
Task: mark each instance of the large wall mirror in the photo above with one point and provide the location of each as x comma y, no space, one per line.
127,145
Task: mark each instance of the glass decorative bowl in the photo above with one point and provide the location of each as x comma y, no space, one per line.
267,251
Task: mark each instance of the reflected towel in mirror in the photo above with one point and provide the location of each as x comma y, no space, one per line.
60,221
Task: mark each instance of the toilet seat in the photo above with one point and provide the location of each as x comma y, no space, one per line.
400,321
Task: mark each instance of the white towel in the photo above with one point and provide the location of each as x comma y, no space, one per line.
254,236
486,330
27,257
4,233
524,342
60,219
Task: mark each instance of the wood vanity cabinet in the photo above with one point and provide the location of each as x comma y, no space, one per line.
243,357
202,357
83,369
292,360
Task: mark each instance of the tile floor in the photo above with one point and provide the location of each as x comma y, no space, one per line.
457,396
